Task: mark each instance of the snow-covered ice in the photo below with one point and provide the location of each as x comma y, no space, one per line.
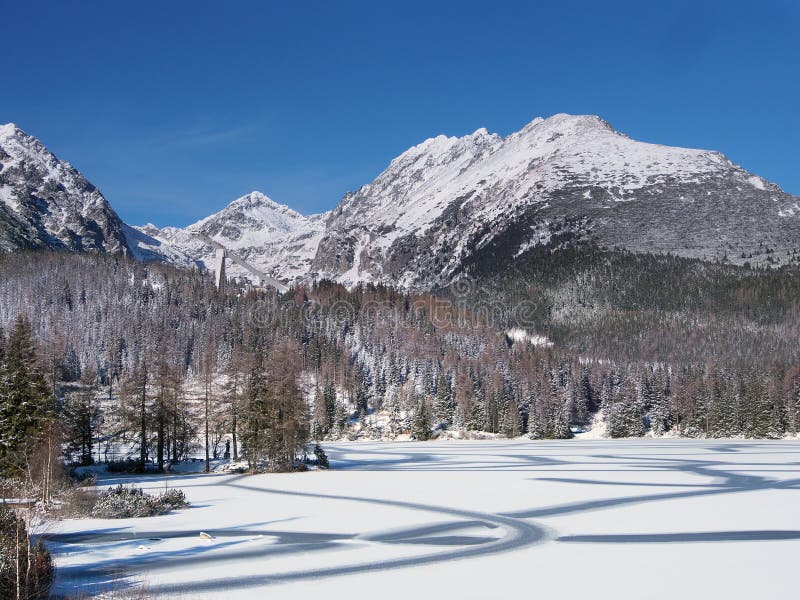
485,519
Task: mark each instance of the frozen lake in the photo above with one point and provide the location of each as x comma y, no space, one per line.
482,519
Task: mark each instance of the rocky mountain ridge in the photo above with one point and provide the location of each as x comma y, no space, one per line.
451,202
47,203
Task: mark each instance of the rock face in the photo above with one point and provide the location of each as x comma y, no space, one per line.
272,237
452,202
46,203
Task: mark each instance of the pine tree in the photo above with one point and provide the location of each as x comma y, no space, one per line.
443,404
25,399
362,395
511,422
421,427
319,417
340,419
81,415
658,409
275,419
136,408
537,419
476,419
329,402
254,417
626,413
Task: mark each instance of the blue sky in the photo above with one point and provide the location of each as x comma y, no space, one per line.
173,109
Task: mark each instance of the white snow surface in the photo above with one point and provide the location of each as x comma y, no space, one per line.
521,335
459,519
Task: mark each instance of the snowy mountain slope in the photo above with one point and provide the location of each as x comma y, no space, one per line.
449,202
45,202
270,236
442,208
148,243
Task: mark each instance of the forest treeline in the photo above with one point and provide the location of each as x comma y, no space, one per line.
634,307
152,359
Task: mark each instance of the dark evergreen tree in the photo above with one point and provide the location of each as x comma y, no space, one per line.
421,427
443,403
25,398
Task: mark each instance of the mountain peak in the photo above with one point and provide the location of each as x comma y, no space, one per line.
259,205
48,202
8,129
252,212
566,124
255,199
431,145
442,145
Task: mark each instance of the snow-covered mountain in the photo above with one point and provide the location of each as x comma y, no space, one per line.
270,236
450,203
45,202
444,207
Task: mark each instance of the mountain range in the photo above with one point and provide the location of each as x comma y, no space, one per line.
440,209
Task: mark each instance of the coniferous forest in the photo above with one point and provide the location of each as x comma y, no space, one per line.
149,364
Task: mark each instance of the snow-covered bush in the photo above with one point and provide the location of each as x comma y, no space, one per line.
173,498
124,502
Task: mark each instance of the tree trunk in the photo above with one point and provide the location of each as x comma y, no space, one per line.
234,420
175,436
160,436
235,440
208,464
17,565
143,424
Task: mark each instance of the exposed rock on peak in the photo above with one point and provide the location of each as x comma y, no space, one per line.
47,203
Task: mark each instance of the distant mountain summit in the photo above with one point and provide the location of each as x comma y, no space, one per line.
271,236
46,203
443,208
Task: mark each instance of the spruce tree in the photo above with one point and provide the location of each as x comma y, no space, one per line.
329,399
25,399
254,417
80,415
421,427
511,422
443,404
275,420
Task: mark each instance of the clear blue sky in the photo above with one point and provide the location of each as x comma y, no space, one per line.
175,108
